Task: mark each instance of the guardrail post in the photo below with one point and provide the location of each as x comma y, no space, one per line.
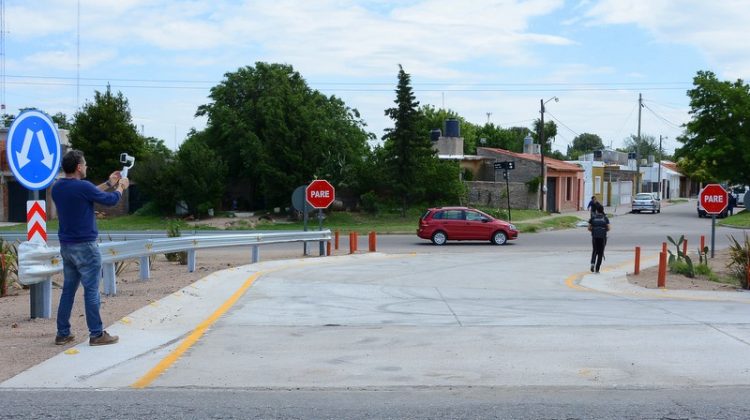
373,242
41,299
352,243
255,254
661,282
637,261
191,260
336,240
328,248
145,267
110,282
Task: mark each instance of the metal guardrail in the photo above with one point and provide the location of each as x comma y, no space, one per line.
38,262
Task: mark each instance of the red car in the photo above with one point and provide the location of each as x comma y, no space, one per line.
463,224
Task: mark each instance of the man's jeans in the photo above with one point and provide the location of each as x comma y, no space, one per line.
82,264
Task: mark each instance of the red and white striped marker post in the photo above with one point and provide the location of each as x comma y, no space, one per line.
36,221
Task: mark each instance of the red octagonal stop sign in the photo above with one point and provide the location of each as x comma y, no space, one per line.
714,199
320,194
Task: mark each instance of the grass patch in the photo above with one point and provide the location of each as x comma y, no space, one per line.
554,223
741,219
389,221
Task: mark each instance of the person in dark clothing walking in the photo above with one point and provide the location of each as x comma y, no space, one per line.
82,264
732,204
598,226
592,205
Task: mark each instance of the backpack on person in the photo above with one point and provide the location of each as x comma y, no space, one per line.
598,226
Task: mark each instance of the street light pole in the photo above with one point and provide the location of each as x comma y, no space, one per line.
659,175
542,183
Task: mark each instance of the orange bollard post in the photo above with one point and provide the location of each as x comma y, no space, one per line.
684,247
351,243
703,242
664,247
336,240
661,282
354,242
637,260
373,242
328,248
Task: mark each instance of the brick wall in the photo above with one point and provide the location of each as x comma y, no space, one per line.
493,194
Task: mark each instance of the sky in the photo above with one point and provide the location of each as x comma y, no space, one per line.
487,60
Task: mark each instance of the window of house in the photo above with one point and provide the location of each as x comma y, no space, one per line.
569,188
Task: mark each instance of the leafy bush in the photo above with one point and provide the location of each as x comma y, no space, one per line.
8,265
680,263
739,255
533,184
173,231
148,209
370,202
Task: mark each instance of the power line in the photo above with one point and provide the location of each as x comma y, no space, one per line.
561,123
662,118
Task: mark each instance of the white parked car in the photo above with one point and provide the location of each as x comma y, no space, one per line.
646,202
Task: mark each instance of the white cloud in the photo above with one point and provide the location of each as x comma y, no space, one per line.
715,29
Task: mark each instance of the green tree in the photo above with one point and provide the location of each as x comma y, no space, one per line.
155,175
582,144
103,129
407,145
200,175
646,146
716,142
275,133
59,118
550,132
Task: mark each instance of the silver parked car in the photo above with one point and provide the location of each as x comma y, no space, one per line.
646,202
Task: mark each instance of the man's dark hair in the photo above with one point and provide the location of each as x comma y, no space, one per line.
599,208
71,159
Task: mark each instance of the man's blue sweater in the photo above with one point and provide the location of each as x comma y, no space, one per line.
74,199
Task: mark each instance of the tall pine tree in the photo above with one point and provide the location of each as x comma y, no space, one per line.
408,151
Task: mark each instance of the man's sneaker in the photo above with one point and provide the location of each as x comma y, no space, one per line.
103,339
64,340
592,268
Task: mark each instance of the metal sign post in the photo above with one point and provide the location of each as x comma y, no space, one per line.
34,155
506,166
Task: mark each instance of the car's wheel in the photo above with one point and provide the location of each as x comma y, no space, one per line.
499,238
439,238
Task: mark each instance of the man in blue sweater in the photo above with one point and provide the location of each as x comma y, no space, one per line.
82,263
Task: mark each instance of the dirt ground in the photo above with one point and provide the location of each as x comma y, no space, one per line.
25,342
648,277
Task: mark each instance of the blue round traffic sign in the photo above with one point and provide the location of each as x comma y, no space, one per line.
33,150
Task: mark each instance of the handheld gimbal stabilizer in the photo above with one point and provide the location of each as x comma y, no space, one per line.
128,160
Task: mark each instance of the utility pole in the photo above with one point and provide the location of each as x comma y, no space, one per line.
638,147
659,175
541,151
542,183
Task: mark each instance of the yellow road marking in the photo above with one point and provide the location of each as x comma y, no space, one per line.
193,338
201,329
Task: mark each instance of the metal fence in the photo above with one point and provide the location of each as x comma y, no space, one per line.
38,262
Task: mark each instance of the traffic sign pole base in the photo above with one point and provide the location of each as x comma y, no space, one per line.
41,299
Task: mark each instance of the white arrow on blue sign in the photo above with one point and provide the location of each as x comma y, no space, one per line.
33,150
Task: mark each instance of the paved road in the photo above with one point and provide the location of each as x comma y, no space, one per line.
465,330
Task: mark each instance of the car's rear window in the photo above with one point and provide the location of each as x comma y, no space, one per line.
425,214
644,197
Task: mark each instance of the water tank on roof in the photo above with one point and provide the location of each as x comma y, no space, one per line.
452,128
435,134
